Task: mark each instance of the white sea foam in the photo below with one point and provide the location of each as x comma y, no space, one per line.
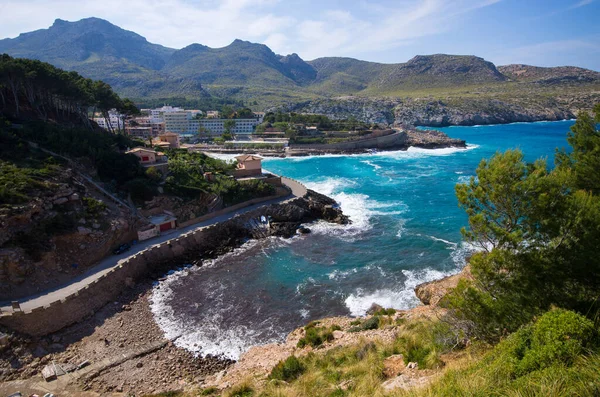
341,274
411,152
401,298
375,166
441,151
450,243
359,207
304,313
210,338
401,227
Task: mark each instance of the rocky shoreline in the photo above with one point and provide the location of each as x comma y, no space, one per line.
258,362
125,327
404,138
127,323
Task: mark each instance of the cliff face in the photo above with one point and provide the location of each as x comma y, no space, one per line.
56,235
452,110
467,112
377,111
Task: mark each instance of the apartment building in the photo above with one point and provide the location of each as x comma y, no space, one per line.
115,120
144,127
179,122
216,127
185,122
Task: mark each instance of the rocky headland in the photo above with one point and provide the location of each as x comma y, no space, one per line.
397,139
469,109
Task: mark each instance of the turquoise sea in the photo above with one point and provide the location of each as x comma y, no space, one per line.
405,230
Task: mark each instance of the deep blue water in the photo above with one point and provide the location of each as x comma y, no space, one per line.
406,230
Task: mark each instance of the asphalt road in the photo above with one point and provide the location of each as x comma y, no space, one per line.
105,265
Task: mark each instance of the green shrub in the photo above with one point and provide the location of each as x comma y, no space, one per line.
153,174
93,207
241,391
312,337
423,342
315,336
559,336
372,323
287,370
209,391
385,312
312,324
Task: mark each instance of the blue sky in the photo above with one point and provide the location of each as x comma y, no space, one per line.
539,32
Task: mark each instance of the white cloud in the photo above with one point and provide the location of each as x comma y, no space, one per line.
355,30
392,27
582,3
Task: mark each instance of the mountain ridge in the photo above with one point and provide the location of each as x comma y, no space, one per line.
243,70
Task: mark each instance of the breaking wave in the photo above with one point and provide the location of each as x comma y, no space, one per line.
400,298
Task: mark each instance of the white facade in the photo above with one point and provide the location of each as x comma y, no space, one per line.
216,127
184,122
158,115
115,119
179,122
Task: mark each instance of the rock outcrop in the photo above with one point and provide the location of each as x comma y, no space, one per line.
432,292
56,235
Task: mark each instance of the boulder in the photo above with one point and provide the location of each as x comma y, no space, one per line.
83,230
430,293
374,308
60,201
393,365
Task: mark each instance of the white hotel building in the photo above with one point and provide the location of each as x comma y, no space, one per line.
114,119
184,123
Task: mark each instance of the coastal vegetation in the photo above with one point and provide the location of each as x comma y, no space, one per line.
45,92
186,178
538,229
285,121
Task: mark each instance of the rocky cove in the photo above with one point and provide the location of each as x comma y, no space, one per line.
125,361
111,317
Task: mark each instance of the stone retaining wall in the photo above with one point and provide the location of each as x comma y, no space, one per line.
87,300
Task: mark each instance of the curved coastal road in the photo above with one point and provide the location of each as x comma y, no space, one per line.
105,265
